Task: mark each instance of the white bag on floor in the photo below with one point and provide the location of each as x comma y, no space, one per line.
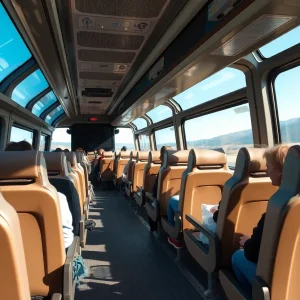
207,221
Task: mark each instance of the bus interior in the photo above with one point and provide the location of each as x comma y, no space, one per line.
81,80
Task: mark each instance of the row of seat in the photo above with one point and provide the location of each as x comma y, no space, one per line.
203,177
29,183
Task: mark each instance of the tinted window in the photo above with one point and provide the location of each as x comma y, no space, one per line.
140,123
13,51
44,103
287,89
229,129
282,43
30,87
221,83
124,138
61,139
160,113
42,146
165,137
19,134
144,142
54,114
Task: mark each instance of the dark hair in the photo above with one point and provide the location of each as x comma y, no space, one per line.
66,150
19,146
57,150
124,148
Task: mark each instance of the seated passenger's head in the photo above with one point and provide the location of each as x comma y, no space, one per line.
66,150
100,151
275,157
19,146
58,150
124,148
163,150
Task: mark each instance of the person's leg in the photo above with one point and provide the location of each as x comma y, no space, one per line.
244,269
172,208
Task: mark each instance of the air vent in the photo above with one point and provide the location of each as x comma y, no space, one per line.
94,102
97,92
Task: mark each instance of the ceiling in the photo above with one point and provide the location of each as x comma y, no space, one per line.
108,36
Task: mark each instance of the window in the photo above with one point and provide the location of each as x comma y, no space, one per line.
61,139
124,138
144,142
140,123
55,113
29,88
160,113
44,103
230,129
43,141
282,43
287,91
219,84
19,134
13,51
165,137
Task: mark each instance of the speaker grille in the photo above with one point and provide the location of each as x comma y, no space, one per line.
126,8
100,76
108,40
106,56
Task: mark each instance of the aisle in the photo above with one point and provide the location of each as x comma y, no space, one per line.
125,261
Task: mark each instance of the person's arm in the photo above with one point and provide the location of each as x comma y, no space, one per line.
252,245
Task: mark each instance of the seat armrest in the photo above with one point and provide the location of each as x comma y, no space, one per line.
139,188
207,232
68,284
150,196
82,231
56,296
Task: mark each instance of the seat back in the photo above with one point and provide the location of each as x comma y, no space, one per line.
169,177
151,170
91,156
138,171
24,184
279,256
56,164
82,164
14,282
106,166
202,182
244,199
131,163
121,163
71,158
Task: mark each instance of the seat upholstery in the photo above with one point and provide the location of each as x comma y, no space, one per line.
137,173
277,275
244,199
201,183
82,164
24,184
169,180
106,166
150,173
14,282
121,162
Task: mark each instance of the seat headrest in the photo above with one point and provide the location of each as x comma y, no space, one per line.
173,157
154,157
204,157
142,156
124,154
250,161
20,165
79,156
133,154
56,162
108,154
71,158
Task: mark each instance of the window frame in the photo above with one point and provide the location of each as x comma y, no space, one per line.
23,127
160,128
168,106
273,98
46,141
139,144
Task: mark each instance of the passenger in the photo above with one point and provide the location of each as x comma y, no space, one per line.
100,153
19,146
58,150
124,148
244,261
66,150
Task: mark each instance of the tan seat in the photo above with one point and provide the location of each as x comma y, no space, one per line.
169,180
137,173
277,275
244,199
106,166
202,183
14,283
150,173
120,163
129,176
24,184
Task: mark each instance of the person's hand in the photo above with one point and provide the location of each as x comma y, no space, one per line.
213,210
243,240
